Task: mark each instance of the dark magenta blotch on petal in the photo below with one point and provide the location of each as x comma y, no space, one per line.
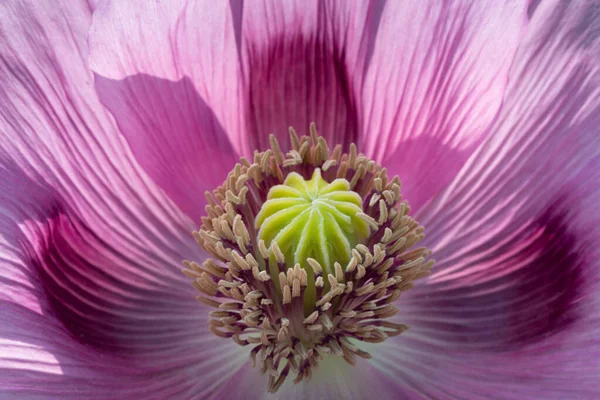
105,298
296,80
525,294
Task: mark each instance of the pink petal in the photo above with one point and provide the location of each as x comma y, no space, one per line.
511,310
172,40
174,126
176,133
173,134
94,303
303,62
517,318
543,142
435,83
110,319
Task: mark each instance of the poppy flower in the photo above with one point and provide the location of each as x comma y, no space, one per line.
156,241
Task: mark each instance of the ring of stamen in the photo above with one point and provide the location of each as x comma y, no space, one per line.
258,288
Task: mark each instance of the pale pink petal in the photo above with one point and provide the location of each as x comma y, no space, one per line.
435,83
173,40
93,301
173,135
167,72
511,310
543,141
303,62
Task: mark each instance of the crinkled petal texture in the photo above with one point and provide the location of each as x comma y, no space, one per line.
98,202
512,309
93,302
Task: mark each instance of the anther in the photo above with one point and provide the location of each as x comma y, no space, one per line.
311,318
368,219
383,212
263,249
339,274
319,282
378,184
360,272
352,264
287,295
374,199
328,164
277,252
296,288
315,266
356,255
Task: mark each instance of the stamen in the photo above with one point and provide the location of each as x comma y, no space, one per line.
328,164
309,249
368,219
315,266
311,318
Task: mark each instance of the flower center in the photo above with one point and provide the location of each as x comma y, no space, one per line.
315,225
310,249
